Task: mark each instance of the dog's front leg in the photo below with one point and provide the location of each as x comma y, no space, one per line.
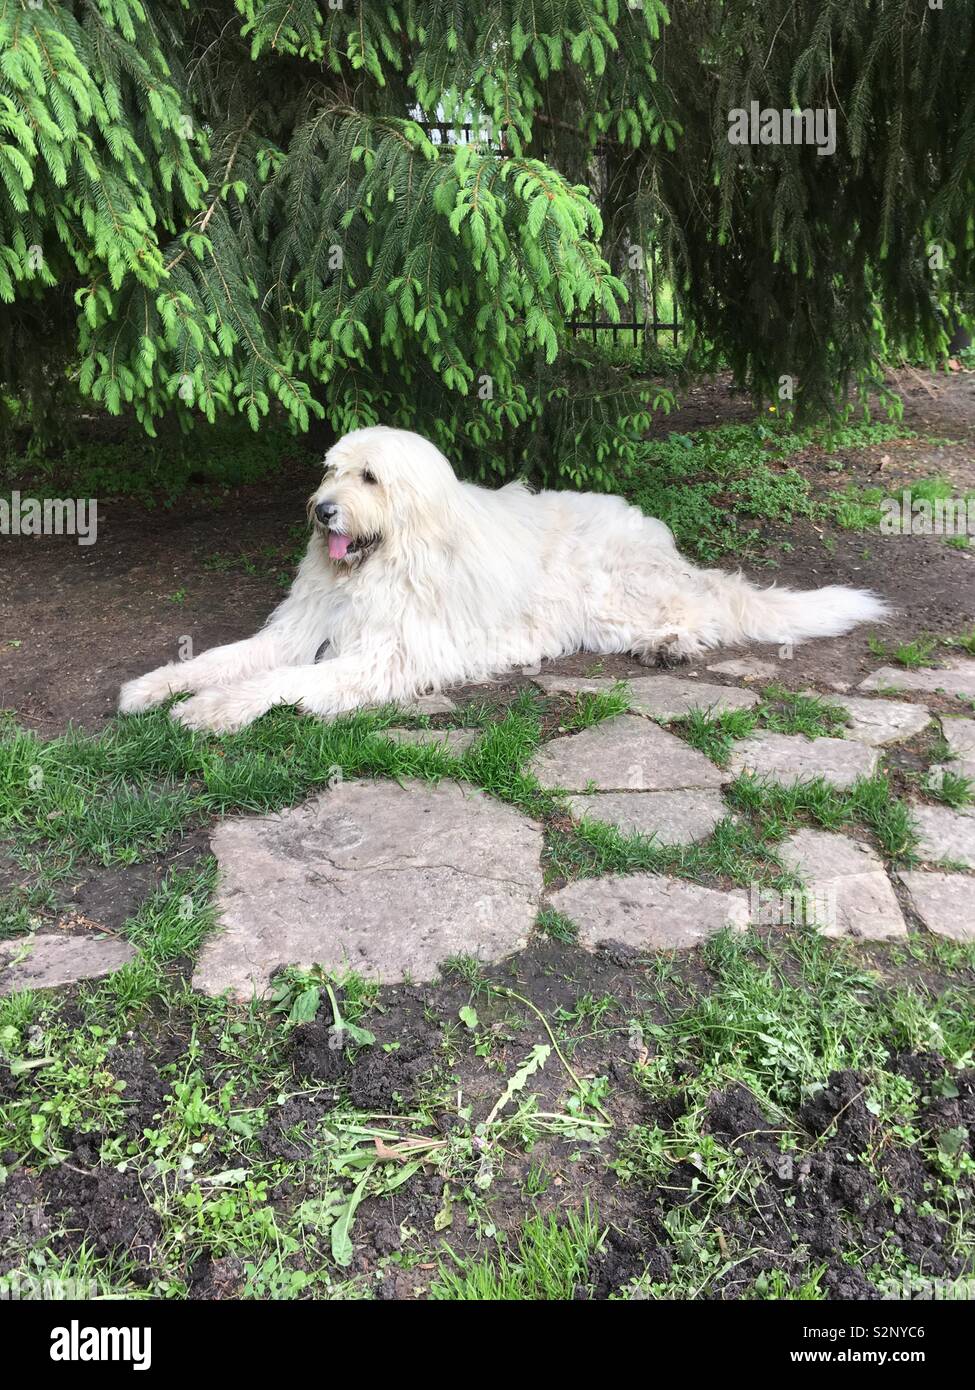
233,662
293,635
326,690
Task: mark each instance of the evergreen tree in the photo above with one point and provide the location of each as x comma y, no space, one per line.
216,207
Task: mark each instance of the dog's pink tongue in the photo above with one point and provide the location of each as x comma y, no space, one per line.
338,545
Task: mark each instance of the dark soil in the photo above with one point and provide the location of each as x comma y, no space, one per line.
87,897
847,1186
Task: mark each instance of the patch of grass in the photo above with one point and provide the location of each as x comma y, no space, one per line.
593,707
781,711
647,1153
805,1287
550,1260
719,488
864,509
965,640
176,917
129,791
856,510
73,1089
23,907
466,968
556,926
922,651
951,788
714,735
496,762
870,802
733,852
791,712
781,1034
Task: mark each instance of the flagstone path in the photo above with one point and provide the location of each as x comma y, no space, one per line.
393,879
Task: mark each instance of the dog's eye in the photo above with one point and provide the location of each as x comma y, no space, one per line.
368,477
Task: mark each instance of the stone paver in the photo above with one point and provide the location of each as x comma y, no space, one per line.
623,754
660,697
957,678
435,703
847,892
456,741
960,737
648,911
387,879
946,834
746,668
945,903
554,684
48,960
672,818
878,722
795,758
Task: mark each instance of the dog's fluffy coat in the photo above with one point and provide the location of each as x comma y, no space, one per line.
457,583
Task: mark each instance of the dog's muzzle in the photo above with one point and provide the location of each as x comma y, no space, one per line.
342,547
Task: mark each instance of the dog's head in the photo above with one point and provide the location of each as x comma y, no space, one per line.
380,485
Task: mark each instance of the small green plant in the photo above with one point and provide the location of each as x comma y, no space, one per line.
912,655
965,640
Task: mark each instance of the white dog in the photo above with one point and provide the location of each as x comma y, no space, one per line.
414,580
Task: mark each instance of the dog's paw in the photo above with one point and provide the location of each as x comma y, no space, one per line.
666,659
662,652
149,690
220,710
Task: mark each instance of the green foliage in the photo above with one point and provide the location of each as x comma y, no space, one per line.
721,489
796,264
158,471
241,208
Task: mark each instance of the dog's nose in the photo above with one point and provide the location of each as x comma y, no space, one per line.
325,511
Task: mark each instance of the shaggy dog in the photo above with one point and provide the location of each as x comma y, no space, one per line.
414,580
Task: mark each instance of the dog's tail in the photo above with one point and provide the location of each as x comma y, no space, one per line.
747,613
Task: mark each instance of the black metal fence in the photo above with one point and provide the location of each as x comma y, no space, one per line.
636,327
